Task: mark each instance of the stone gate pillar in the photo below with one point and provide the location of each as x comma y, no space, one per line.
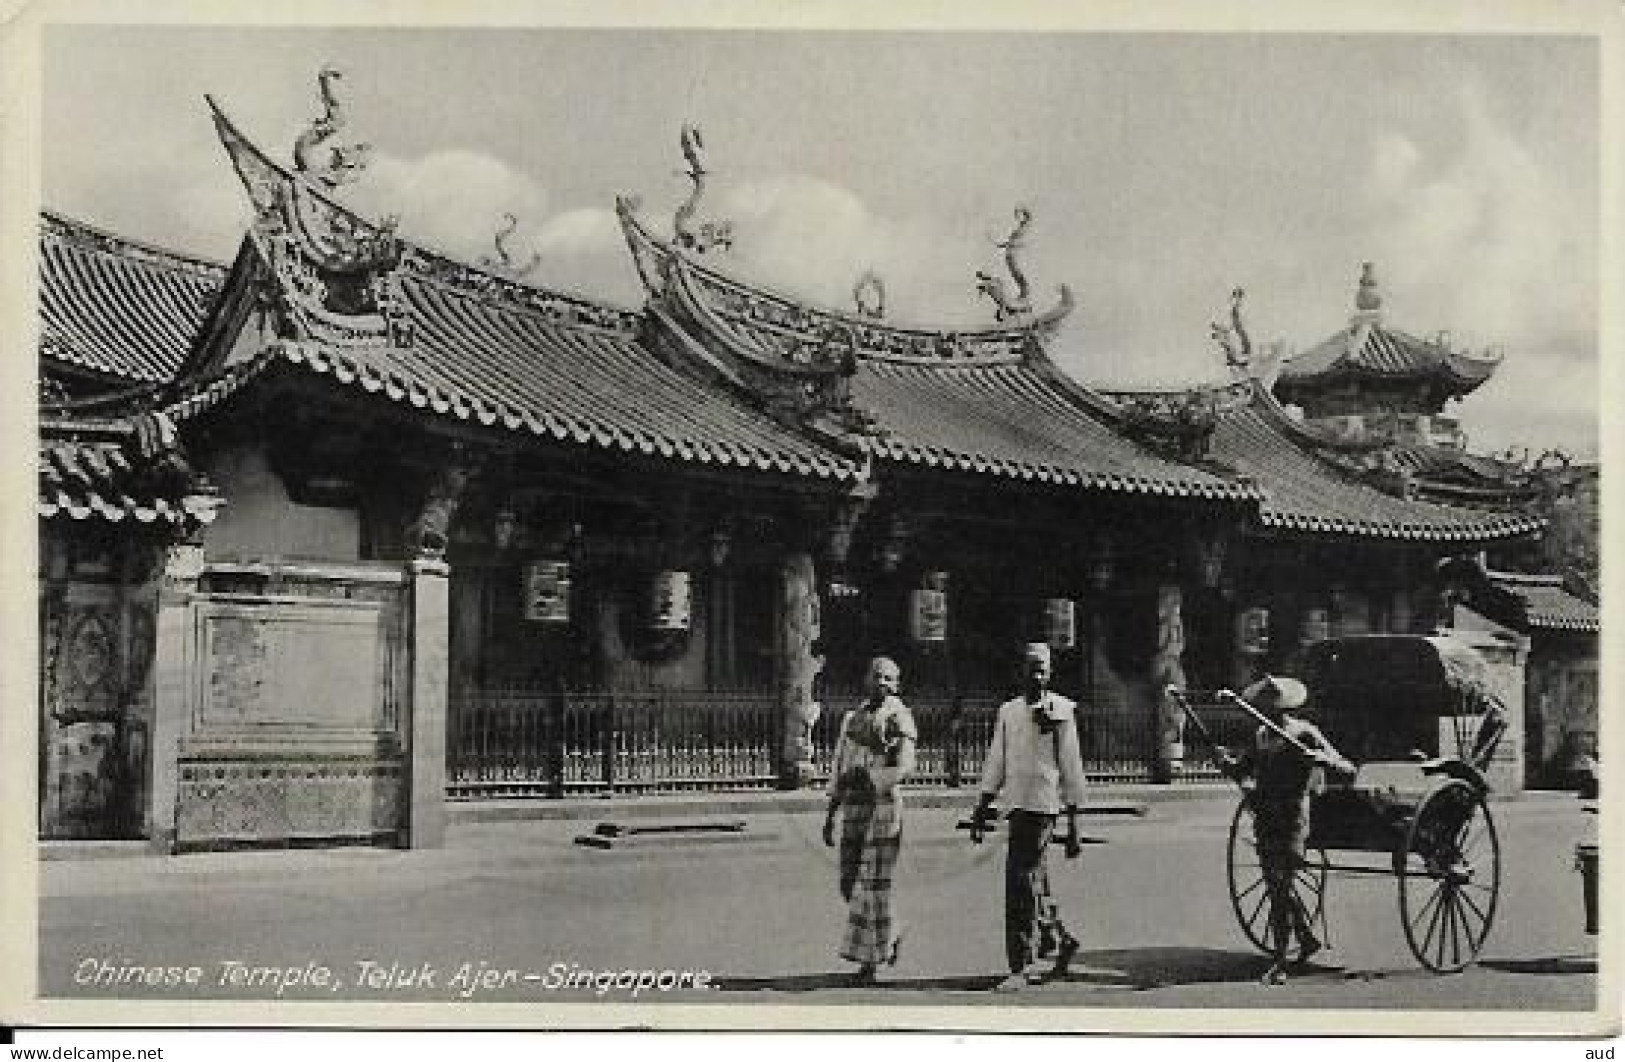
172,665
430,632
799,665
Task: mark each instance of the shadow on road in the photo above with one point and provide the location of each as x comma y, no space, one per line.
1148,968
1135,969
1556,964
821,981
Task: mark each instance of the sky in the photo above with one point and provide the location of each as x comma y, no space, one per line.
1162,170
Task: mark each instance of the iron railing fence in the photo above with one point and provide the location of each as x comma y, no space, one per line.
539,741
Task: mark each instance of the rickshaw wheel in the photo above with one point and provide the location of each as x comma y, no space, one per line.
1449,877
1250,899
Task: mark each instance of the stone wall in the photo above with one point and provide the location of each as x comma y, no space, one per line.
289,705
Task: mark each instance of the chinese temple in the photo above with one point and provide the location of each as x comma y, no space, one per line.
348,529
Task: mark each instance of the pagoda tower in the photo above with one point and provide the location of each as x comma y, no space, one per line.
1372,382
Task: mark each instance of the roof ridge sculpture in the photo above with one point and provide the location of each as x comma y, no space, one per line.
772,308
297,215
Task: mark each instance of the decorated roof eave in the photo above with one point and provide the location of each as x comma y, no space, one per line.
1477,535
1572,613
1058,476
332,364
1508,526
1093,404
95,452
1272,526
1459,373
658,260
734,340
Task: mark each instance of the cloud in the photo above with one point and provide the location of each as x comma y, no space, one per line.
453,201
1490,245
1486,243
814,238
580,232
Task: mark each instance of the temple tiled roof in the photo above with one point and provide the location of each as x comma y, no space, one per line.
118,471
1307,492
1545,604
467,344
116,307
502,364
1372,351
982,401
1006,419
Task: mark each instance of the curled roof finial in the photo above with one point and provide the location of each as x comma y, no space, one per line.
1368,299
870,295
504,262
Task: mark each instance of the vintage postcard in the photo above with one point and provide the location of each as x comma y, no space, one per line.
1036,518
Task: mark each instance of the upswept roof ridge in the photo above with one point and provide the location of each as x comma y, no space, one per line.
987,402
376,313
1306,490
779,321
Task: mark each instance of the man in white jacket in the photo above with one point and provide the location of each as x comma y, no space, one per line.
1035,764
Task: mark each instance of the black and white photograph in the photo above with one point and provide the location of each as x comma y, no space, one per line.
807,518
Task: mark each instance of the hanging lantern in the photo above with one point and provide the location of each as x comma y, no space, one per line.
1060,622
928,611
547,591
1317,626
504,526
671,606
1253,631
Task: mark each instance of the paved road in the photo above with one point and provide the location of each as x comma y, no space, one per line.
760,916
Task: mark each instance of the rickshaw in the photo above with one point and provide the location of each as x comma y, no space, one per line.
1419,718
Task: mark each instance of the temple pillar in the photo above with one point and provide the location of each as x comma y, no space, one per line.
799,665
1168,669
430,632
171,665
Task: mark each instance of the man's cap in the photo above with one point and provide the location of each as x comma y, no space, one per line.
1276,691
1036,651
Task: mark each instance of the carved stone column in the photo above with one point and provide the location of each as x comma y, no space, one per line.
171,665
1168,669
799,665
430,631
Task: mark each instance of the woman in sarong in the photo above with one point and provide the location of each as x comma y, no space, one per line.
874,752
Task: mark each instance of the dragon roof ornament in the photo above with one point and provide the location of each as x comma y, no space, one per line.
504,262
869,295
1234,342
774,318
708,235
318,154
1013,302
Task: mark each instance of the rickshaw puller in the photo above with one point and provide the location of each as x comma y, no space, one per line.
1286,768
